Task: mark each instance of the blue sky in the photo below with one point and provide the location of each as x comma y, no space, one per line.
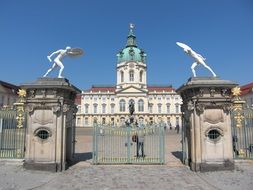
220,30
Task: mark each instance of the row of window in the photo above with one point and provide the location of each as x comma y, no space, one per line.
163,97
122,107
7,100
95,98
122,120
168,108
131,76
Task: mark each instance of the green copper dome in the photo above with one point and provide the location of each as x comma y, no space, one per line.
131,52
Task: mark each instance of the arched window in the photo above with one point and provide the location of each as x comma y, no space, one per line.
141,76
140,105
95,108
131,75
131,100
141,120
168,108
122,120
122,76
86,121
86,110
177,108
150,108
103,108
122,106
159,106
112,108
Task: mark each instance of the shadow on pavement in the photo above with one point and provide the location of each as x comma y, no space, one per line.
79,157
178,154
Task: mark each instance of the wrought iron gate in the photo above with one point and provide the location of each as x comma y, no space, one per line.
12,138
242,133
128,145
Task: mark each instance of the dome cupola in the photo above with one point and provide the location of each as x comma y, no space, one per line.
131,52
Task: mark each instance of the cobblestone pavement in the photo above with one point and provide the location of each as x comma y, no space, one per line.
83,175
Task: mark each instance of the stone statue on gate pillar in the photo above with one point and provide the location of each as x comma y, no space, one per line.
199,59
60,54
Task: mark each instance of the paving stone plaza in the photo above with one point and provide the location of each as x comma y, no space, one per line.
83,175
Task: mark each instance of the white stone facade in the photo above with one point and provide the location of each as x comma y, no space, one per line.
247,94
8,94
110,107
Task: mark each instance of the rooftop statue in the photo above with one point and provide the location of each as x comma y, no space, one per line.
198,58
60,54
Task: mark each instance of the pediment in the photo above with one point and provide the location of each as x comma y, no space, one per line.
132,90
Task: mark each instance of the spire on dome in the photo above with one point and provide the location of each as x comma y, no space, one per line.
131,42
131,26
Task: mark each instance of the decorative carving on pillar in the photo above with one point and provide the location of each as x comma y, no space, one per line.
43,117
224,92
213,116
31,93
43,92
227,108
200,108
65,108
212,92
190,106
30,108
54,93
201,92
56,108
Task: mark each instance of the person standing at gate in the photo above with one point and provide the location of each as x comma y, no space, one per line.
140,141
177,128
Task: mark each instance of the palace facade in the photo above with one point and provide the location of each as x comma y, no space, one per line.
247,94
109,104
8,94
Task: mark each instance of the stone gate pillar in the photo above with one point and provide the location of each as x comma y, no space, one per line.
50,136
207,124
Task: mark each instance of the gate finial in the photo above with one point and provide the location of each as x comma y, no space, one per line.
236,91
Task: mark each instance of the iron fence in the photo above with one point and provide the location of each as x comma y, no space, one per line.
12,139
128,144
242,133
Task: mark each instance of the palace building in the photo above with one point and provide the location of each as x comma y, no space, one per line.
8,95
109,104
247,94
